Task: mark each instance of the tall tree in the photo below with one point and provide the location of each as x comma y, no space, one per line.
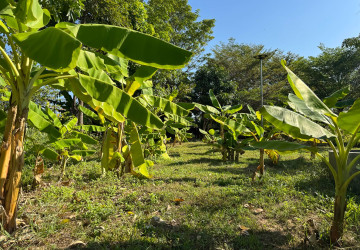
332,69
242,70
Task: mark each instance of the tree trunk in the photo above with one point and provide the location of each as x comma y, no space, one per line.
261,168
337,226
13,180
80,114
6,148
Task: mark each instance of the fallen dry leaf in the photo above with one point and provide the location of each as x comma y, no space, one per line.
243,228
178,201
258,210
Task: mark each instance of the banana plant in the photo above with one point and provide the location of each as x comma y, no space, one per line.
230,128
314,119
65,142
34,55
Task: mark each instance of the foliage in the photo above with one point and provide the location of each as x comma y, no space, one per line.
331,70
234,68
301,124
42,56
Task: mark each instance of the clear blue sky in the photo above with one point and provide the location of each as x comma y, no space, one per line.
298,26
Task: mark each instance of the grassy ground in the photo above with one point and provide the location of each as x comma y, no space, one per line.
221,208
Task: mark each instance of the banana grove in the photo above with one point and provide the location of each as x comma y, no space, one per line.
33,55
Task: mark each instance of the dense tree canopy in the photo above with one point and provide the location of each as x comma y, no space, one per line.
332,69
233,71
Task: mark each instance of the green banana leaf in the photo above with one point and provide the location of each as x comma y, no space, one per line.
138,79
233,109
3,116
89,60
54,117
132,45
207,109
50,154
91,128
5,9
331,100
214,100
300,106
89,113
234,126
113,101
67,143
100,75
30,13
137,154
50,47
350,120
187,106
85,138
108,157
38,120
294,124
165,105
303,92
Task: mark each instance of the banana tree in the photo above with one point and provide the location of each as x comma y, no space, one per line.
230,128
65,142
33,56
314,119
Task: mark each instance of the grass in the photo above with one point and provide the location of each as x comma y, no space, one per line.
221,207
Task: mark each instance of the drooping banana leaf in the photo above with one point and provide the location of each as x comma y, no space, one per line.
85,138
67,143
38,120
132,45
232,125
89,113
109,156
233,109
294,124
331,100
137,154
207,109
50,154
165,105
113,101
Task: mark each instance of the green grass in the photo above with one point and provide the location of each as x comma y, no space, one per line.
219,198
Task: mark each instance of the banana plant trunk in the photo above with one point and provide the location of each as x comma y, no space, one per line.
12,162
337,226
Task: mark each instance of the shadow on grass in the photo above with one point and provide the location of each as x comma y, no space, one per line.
209,161
170,180
167,236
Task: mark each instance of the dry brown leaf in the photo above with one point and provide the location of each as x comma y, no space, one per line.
243,228
258,210
66,183
178,201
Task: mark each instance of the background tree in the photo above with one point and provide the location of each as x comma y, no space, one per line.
241,70
332,69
